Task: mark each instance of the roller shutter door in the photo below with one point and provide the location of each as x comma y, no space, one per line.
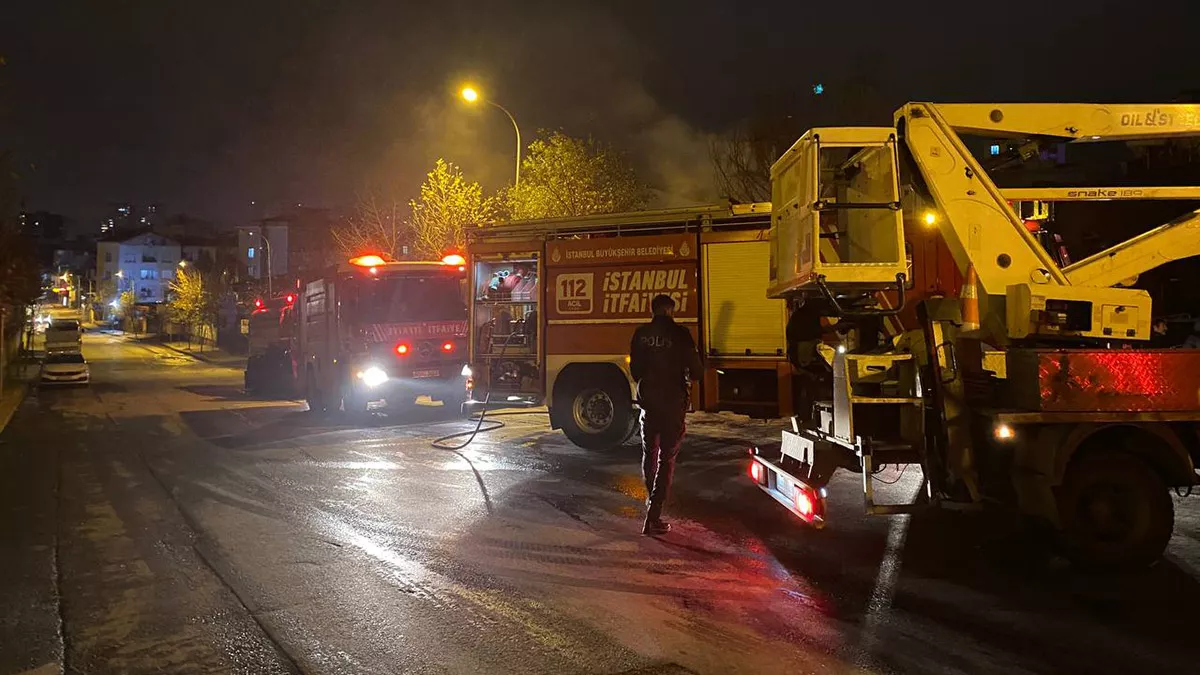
738,314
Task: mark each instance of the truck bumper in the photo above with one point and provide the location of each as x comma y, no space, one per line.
798,495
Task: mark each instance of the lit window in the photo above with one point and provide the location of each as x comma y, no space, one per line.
250,253
995,149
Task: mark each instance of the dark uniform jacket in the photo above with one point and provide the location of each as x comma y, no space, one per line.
662,358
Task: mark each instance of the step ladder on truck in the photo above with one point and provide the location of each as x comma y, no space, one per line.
1034,387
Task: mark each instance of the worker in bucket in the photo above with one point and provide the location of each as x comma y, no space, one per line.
662,361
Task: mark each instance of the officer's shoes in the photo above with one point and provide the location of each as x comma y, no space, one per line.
653,528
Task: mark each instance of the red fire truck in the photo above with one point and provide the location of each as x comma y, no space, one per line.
273,339
565,341
368,331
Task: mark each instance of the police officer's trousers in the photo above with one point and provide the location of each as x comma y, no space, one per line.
662,432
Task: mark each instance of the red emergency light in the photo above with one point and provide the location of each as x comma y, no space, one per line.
290,298
402,348
367,261
258,303
454,259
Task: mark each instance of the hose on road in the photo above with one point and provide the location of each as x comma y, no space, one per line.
439,443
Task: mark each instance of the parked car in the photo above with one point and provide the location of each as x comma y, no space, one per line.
65,368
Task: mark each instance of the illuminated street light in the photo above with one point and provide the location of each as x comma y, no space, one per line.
183,263
471,95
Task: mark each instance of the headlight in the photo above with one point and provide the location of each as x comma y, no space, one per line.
373,376
466,371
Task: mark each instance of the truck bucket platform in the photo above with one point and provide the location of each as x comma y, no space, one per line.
795,494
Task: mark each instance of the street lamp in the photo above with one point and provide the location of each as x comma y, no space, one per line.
183,263
471,95
266,241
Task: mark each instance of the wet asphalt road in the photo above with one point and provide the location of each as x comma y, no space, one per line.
161,521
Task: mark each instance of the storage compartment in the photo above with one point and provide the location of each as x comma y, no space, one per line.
507,296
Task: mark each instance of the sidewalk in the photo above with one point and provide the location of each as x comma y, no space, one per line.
214,355
18,377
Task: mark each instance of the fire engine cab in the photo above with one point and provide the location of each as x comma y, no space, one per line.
373,331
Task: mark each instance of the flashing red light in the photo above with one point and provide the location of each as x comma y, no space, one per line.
756,471
258,303
290,298
367,261
804,502
447,347
402,349
454,259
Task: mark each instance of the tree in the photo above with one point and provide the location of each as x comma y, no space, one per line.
566,176
192,303
20,284
448,202
377,226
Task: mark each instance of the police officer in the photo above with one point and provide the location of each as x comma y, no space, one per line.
662,359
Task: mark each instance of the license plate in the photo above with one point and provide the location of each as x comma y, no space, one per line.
426,373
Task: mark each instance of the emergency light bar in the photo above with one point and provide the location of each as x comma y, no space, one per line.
367,261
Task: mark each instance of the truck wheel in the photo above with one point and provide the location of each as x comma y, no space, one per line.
354,402
312,395
596,409
1115,511
250,383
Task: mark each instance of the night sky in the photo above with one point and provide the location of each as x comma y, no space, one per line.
207,106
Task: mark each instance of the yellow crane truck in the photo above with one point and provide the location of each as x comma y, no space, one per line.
1035,387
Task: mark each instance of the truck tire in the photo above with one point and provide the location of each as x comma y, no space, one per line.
354,402
1115,511
313,395
253,366
595,408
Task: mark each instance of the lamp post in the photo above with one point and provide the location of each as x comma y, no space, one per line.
471,95
266,242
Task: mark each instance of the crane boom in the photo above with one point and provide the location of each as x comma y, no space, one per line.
1086,122
980,228
1175,240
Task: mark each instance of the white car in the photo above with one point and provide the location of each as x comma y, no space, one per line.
65,368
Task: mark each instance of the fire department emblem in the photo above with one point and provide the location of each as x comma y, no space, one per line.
684,249
555,255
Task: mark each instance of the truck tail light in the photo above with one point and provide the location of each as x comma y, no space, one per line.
804,503
758,472
402,348
448,347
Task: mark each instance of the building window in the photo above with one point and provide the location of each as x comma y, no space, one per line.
107,276
250,253
149,274
108,256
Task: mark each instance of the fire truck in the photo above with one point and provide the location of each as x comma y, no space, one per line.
273,341
1032,387
368,331
555,303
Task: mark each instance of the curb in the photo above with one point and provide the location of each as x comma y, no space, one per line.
197,356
